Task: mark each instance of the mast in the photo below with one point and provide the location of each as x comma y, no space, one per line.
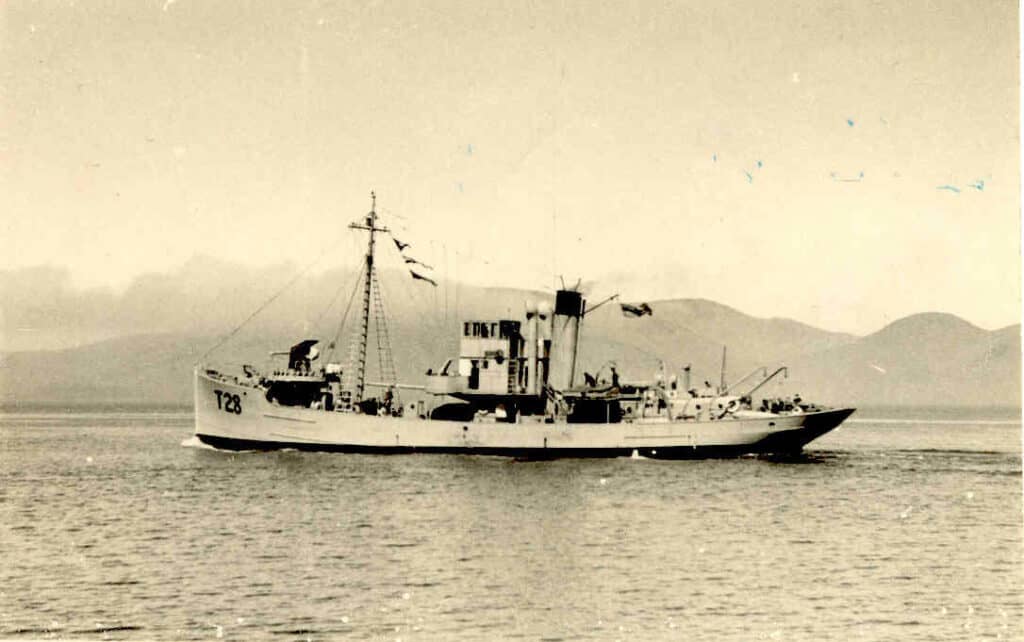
369,225
722,386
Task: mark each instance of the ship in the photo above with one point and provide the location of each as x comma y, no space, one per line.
513,390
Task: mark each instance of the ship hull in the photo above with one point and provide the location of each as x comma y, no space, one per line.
231,415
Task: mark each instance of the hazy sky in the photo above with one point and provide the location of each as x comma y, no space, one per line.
788,158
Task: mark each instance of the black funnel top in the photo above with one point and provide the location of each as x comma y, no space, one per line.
569,303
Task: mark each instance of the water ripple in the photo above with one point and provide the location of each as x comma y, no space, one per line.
888,531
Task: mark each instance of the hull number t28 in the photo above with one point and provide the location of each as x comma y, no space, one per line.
228,402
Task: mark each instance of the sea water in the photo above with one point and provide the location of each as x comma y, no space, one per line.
904,524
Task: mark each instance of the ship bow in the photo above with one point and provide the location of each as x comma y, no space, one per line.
814,425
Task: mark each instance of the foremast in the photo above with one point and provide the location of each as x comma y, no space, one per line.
361,340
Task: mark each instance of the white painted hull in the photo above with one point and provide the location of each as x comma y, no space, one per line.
255,423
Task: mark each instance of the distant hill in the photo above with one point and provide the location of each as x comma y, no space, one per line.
140,345
933,359
695,331
139,369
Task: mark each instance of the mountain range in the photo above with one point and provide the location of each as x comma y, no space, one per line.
63,345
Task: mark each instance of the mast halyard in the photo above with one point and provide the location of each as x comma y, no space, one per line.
362,339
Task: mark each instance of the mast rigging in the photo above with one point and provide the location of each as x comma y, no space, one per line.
357,384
